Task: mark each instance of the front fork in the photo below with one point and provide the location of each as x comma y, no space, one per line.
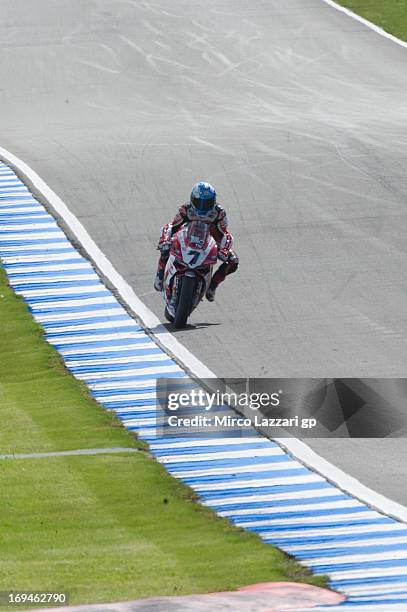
202,284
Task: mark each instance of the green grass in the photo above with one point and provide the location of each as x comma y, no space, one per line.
107,527
391,15
42,407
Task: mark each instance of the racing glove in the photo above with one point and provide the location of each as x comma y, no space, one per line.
223,254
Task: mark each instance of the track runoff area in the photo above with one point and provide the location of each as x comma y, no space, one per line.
252,481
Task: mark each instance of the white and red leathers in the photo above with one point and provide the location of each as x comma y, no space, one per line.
218,222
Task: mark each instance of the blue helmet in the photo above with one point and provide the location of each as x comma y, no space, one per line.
203,198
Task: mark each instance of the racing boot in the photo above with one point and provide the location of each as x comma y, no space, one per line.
211,291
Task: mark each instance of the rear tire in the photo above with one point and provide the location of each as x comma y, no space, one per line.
185,301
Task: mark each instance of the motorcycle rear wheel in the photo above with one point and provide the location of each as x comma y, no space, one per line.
185,301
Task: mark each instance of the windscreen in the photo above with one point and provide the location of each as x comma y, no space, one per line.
197,234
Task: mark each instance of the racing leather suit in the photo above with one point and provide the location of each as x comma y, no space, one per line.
219,230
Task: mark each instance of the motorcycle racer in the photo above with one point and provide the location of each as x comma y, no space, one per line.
203,207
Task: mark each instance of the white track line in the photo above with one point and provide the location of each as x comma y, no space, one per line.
126,373
33,237
86,327
83,303
257,484
40,258
76,291
364,573
371,589
216,455
85,314
365,22
297,448
329,531
40,280
136,346
128,398
345,503
128,384
10,210
354,544
40,247
271,497
311,520
204,442
252,467
77,363
95,338
391,555
14,273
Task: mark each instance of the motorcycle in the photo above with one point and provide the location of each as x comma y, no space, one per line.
193,254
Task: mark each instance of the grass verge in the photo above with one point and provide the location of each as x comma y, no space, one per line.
391,15
105,527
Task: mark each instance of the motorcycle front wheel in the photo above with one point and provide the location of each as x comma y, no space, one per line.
168,316
185,300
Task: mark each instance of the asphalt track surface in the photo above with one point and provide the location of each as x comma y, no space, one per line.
294,111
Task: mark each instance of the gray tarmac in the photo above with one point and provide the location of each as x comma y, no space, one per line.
294,111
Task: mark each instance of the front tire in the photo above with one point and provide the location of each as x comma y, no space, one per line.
185,301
